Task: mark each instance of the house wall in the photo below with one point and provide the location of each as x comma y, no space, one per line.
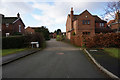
86,27
16,27
8,29
97,25
75,26
115,26
68,28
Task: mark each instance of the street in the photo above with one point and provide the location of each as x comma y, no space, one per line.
57,60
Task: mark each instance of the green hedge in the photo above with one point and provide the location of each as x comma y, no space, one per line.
22,41
13,42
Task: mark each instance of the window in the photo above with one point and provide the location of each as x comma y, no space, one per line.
19,28
83,21
86,16
86,33
86,21
7,24
101,24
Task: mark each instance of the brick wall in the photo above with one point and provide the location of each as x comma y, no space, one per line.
76,40
16,27
8,29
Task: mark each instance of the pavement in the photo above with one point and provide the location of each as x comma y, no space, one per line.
58,60
12,57
110,63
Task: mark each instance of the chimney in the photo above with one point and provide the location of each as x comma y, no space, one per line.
71,16
18,15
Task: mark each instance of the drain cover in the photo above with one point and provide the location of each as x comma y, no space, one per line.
60,53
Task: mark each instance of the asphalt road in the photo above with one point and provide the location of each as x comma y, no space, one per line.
58,60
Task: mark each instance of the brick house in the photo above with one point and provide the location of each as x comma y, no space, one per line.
30,30
84,24
115,24
12,25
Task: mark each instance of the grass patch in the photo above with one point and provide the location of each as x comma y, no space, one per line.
11,51
114,52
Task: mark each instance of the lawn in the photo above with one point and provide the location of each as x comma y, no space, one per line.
11,51
113,52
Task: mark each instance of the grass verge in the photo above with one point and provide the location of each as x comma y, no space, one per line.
11,51
114,52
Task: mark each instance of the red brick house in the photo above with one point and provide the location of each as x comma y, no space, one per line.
12,25
30,30
84,24
115,24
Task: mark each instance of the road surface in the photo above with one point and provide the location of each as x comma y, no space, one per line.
58,60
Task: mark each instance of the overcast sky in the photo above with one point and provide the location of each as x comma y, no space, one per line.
52,14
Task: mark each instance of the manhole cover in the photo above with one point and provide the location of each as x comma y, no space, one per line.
60,53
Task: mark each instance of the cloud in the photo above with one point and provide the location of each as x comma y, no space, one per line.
12,8
59,0
56,12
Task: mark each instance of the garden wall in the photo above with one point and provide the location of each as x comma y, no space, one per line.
76,40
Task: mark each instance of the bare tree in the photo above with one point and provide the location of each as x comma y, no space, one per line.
111,9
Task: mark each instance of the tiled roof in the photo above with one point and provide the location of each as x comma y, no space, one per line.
97,19
111,21
9,19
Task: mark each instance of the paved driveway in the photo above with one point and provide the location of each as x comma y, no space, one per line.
58,60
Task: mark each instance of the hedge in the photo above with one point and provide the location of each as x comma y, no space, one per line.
13,42
103,40
22,41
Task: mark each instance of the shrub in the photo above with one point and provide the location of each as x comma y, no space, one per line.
36,37
60,37
104,40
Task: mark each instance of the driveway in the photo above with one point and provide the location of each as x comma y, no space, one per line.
58,60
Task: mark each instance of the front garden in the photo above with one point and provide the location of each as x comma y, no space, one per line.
14,44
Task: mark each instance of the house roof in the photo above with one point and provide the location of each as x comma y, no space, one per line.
9,19
110,22
97,19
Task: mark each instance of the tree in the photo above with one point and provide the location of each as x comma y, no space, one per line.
58,31
111,9
44,31
55,31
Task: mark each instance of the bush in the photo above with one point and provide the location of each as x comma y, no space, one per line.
104,40
36,37
60,38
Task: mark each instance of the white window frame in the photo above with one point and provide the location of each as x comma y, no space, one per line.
19,28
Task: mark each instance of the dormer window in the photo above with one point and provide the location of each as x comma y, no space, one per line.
7,24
